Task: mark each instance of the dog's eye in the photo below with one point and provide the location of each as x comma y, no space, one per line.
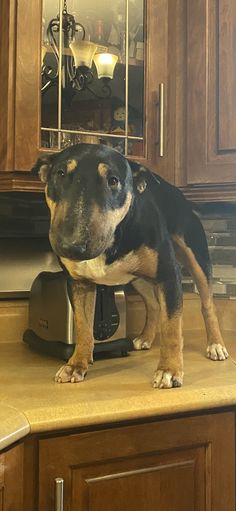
113,181
60,172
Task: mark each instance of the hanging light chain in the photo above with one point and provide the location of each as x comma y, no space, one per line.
65,7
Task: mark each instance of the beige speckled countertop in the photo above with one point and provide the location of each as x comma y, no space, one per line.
114,390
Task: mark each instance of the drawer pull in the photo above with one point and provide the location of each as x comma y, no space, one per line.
59,488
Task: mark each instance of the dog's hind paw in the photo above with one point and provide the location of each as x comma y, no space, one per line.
167,380
70,374
217,352
140,343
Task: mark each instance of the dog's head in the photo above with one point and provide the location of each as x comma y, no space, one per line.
89,191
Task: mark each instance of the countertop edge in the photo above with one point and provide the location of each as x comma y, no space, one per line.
57,424
13,426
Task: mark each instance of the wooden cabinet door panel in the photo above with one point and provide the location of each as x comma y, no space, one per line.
164,51
28,84
1,497
145,483
171,465
11,479
227,76
211,91
27,70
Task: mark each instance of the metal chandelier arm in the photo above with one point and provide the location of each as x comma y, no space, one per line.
77,77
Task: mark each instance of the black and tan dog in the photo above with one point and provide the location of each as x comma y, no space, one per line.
114,222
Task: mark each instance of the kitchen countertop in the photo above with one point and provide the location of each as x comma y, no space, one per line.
114,390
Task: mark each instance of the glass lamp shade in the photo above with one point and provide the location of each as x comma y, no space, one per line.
105,64
83,53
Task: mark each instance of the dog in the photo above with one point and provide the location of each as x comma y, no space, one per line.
114,222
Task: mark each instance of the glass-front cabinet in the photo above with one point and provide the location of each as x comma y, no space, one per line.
93,74
93,71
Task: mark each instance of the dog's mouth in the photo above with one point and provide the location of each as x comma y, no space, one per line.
75,253
78,251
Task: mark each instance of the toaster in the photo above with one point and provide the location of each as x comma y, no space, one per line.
51,321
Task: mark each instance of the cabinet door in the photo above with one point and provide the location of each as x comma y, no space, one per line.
7,82
27,84
11,479
211,91
66,112
64,115
182,465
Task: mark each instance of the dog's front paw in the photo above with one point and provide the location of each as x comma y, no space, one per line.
141,343
217,352
167,379
70,374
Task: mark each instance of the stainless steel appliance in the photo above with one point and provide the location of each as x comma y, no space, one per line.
51,323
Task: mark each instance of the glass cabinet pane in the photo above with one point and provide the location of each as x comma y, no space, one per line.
93,73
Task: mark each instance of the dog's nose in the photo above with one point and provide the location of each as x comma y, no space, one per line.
81,248
73,248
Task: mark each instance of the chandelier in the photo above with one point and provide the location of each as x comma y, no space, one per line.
77,58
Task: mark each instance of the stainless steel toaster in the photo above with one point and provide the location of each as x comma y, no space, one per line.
51,321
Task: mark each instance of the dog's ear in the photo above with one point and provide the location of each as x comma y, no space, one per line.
42,167
139,173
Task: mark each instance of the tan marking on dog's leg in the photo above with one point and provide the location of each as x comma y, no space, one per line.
71,165
216,349
169,372
83,297
147,291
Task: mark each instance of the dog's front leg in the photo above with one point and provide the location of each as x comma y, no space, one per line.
169,372
82,295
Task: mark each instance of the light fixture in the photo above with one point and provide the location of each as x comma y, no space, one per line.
83,53
77,59
105,64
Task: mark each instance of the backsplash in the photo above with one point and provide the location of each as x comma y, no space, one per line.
23,215
219,222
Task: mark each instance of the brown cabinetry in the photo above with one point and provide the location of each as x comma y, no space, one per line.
211,92
20,82
181,464
189,48
11,479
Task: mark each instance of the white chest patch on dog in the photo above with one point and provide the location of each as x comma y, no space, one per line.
119,272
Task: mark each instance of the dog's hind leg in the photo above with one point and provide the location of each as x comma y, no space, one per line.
192,252
82,296
147,291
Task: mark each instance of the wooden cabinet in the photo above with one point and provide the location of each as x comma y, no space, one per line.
189,48
211,92
181,464
11,479
20,82
20,60
7,80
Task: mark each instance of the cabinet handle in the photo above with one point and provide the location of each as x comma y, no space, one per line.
59,488
161,118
